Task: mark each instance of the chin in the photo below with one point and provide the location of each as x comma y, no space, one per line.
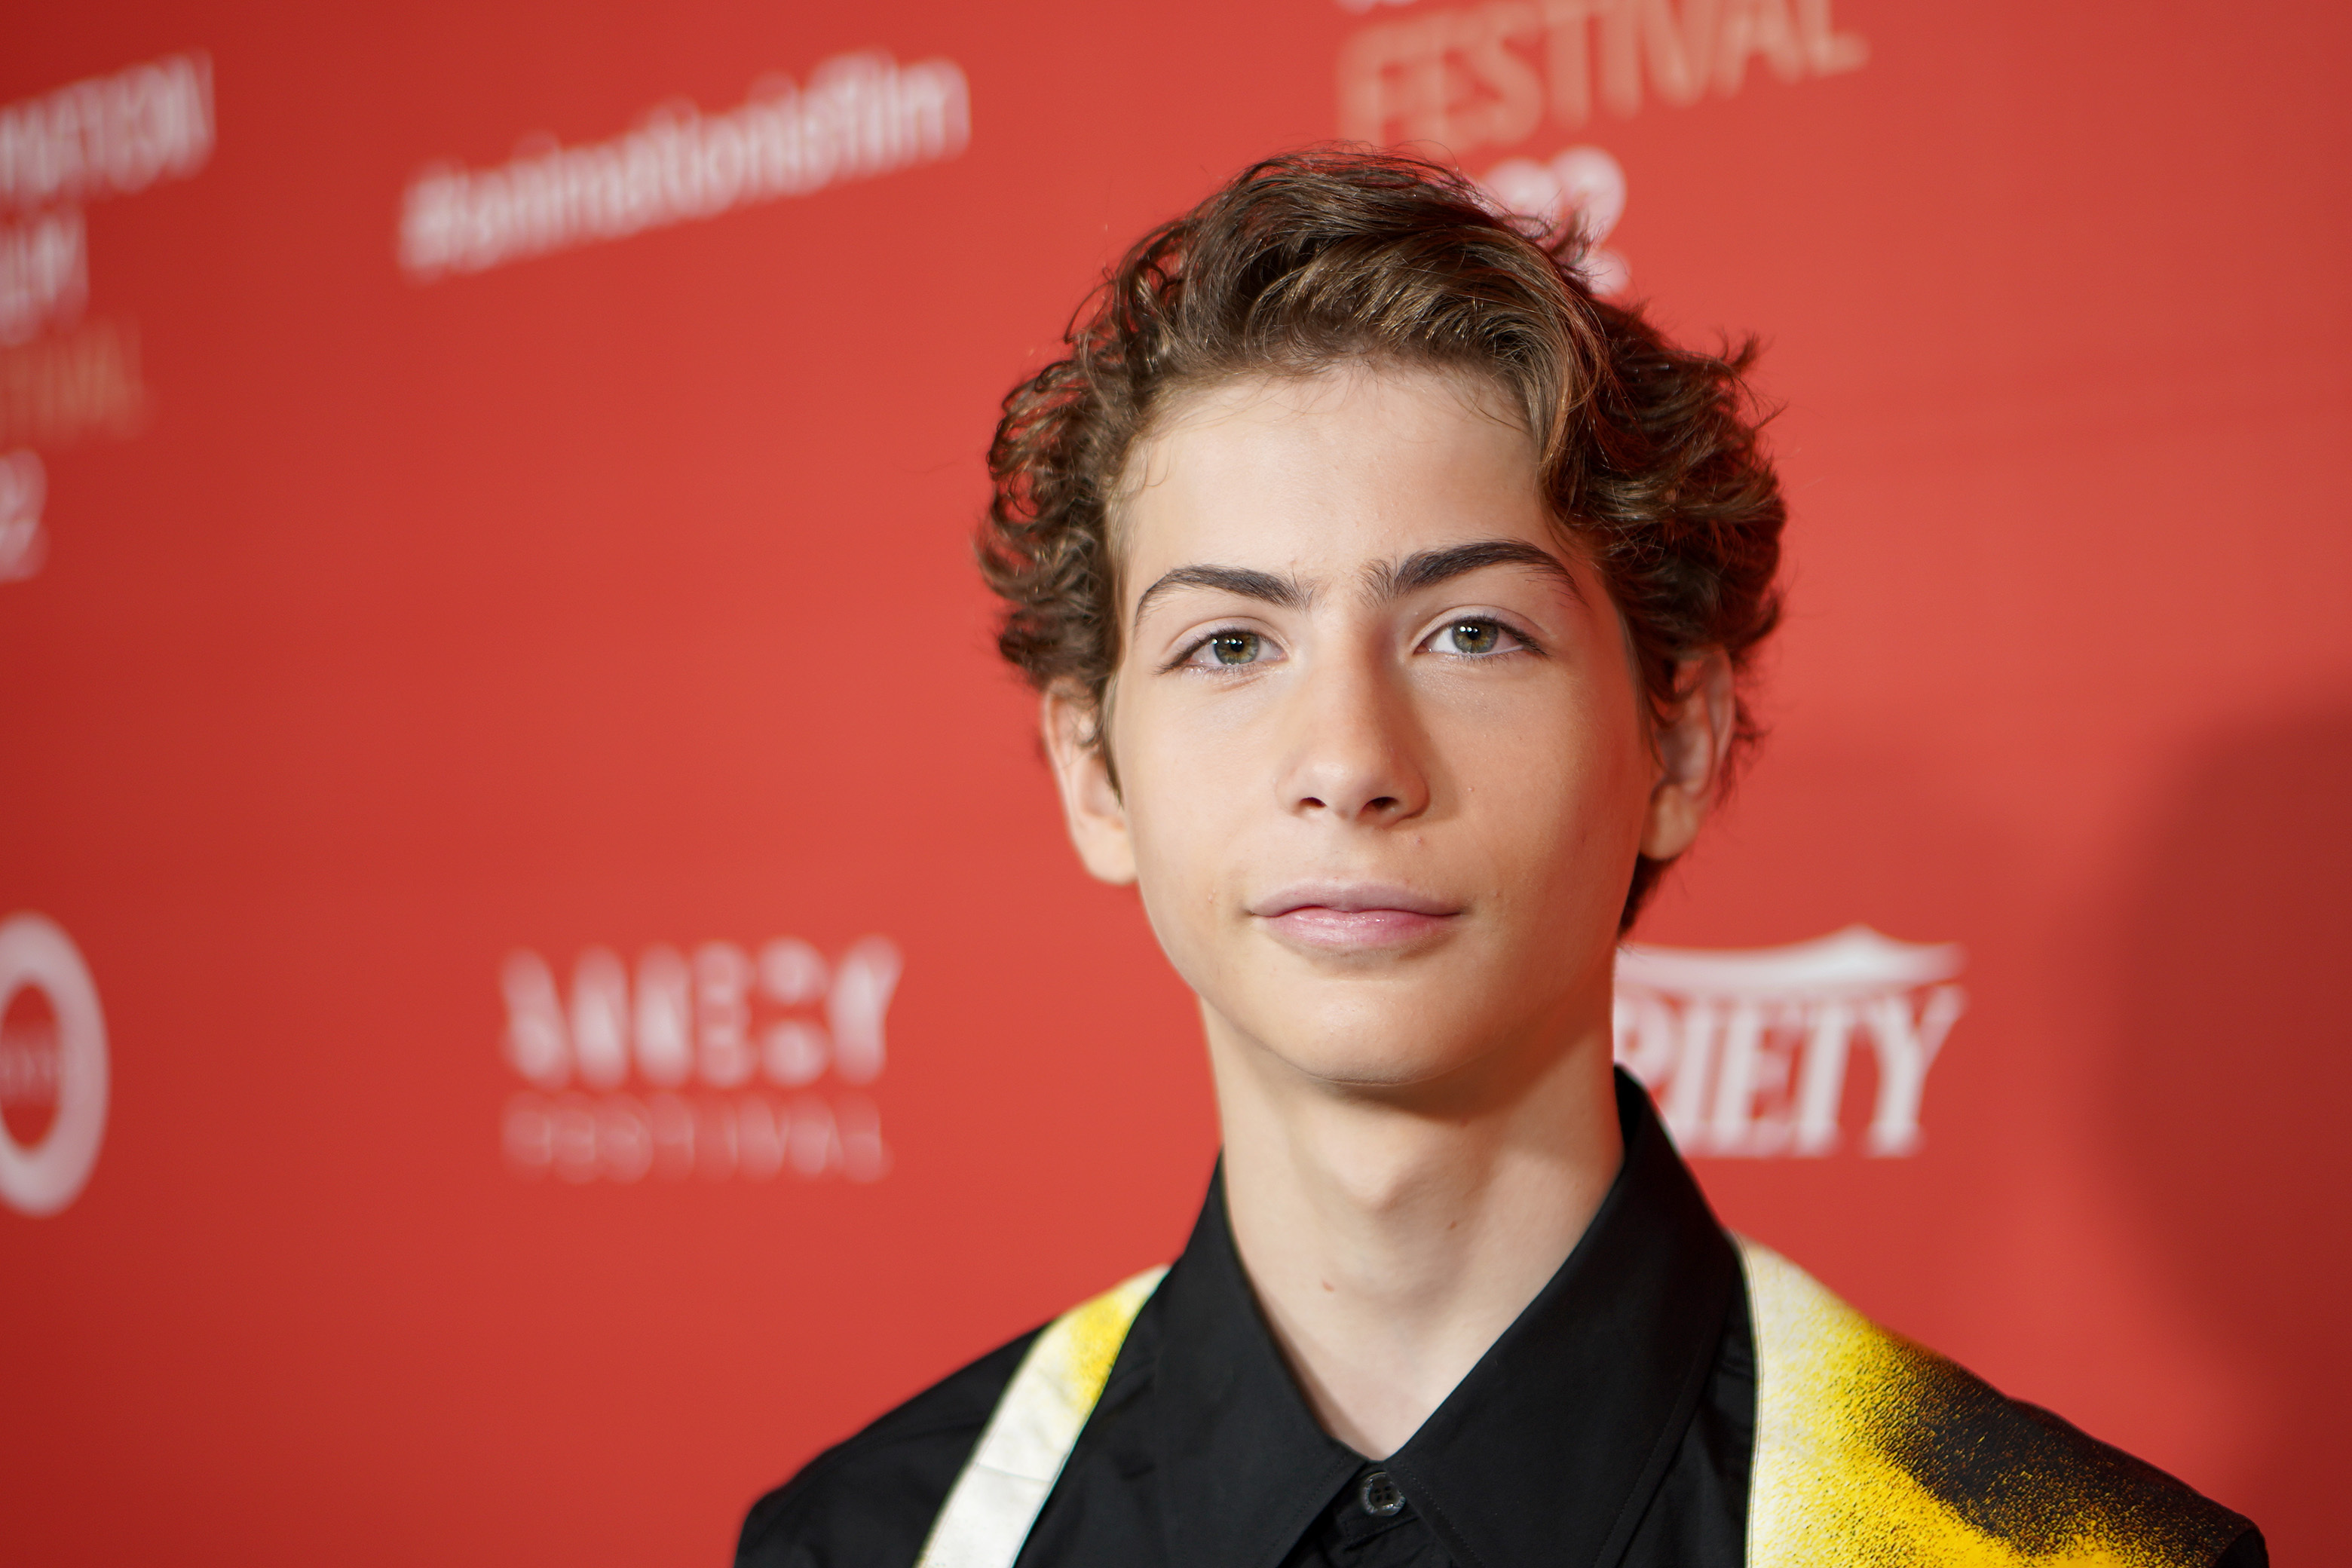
1361,1072
1377,1030
1356,1058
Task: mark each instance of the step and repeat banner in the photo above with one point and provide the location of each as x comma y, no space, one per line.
540,980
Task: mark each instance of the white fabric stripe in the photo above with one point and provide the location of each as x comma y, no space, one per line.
1020,1454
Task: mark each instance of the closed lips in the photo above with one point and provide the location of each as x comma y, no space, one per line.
1349,900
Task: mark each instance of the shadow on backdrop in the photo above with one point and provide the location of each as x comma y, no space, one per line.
2234,1080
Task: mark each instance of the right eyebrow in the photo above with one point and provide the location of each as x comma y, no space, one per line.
1288,592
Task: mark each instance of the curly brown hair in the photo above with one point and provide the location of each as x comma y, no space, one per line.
1649,452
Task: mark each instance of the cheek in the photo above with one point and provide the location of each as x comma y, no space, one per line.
1184,799
1559,794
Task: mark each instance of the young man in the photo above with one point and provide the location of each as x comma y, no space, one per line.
1389,598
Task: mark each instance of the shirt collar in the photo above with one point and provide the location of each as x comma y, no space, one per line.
1547,1451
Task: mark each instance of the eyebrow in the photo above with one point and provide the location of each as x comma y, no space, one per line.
1288,592
1432,567
1387,581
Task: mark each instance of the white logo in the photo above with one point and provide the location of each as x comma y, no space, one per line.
860,115
1747,1051
24,488
44,273
57,1063
61,380
107,136
703,1038
1584,186
1488,75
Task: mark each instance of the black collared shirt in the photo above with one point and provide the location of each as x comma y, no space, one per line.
1612,1423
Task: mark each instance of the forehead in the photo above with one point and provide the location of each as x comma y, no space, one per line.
1323,473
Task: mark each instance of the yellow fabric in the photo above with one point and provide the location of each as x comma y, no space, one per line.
1870,1452
1028,1438
1089,1335
1851,1424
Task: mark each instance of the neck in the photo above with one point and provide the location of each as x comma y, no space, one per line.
1392,1234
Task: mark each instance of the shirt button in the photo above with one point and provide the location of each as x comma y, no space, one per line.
1380,1495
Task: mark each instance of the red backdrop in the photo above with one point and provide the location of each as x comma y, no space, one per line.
381,636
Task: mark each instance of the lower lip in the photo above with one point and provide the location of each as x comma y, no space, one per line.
1355,931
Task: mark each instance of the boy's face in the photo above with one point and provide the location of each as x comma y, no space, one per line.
1382,763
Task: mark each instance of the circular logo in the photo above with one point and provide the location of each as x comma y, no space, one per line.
35,954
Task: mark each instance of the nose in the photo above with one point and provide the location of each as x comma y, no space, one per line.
1355,746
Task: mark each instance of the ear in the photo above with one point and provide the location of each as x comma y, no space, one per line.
1691,745
1091,808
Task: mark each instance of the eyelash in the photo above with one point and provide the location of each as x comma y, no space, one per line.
1191,650
1527,644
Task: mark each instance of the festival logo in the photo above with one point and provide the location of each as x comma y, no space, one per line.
1747,1052
53,1068
724,1064
1462,80
64,379
1488,76
860,116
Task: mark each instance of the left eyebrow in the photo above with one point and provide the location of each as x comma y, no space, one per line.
1432,567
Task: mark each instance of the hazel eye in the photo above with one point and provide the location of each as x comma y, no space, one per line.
1234,648
1472,638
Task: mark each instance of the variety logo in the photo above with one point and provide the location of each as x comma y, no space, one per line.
860,116
666,1072
1484,76
1747,1052
53,1068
